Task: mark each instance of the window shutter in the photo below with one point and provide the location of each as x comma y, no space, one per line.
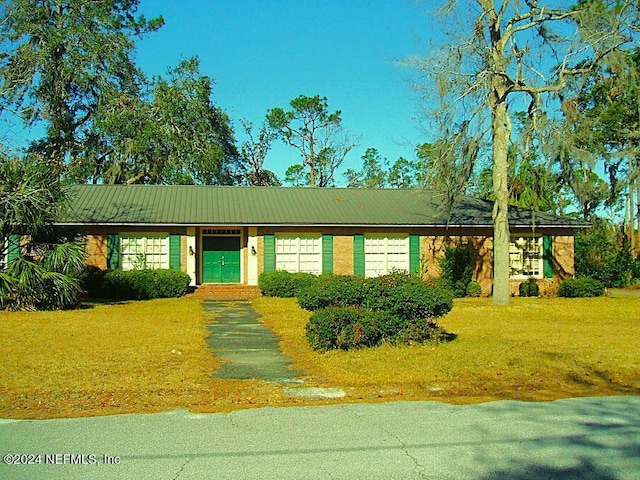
174,252
414,254
269,253
327,253
358,255
13,249
547,256
113,251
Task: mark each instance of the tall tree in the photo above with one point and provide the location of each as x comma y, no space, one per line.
506,55
175,134
372,174
253,153
60,57
316,133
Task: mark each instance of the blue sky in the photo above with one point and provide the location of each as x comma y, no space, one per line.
264,53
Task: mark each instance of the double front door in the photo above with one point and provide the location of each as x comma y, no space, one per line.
220,259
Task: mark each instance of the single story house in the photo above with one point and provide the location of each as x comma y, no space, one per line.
233,234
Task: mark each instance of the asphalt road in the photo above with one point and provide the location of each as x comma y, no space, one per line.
591,438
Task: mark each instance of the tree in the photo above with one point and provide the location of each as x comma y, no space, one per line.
372,174
495,67
175,135
43,268
316,133
405,174
253,153
61,57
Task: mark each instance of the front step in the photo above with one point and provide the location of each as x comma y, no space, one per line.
227,292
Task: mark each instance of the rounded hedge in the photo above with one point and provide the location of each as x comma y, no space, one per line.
283,284
529,288
474,289
581,287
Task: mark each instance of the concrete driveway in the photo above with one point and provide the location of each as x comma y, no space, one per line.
590,438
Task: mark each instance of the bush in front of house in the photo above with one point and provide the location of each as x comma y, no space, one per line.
346,328
474,289
581,287
457,269
333,291
283,284
136,284
529,288
353,312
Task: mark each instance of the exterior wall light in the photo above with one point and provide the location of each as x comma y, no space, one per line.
253,251
191,252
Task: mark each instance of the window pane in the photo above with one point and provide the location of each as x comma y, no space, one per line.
525,257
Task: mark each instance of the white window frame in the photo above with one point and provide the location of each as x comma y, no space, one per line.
153,251
299,253
384,254
526,257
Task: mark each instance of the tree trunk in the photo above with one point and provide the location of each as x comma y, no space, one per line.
501,235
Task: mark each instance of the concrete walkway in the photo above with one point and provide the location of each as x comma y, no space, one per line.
591,438
250,349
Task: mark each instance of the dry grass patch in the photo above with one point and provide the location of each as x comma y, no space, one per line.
133,357
534,349
151,356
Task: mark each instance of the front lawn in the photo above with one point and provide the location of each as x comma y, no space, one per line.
152,356
534,349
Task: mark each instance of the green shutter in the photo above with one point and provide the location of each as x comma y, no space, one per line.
113,251
327,253
13,249
358,255
414,254
174,251
269,253
547,256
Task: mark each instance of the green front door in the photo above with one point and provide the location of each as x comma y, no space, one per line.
221,259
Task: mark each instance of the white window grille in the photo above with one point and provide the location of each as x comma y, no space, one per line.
299,254
386,254
525,257
149,251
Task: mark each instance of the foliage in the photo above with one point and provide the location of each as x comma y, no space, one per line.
456,269
44,273
343,328
253,153
137,284
48,278
474,289
602,252
174,135
581,287
529,288
333,290
512,57
316,133
283,284
372,174
61,59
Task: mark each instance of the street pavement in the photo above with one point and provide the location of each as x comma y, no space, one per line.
586,438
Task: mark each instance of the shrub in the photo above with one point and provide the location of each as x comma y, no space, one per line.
344,328
283,284
456,269
474,289
333,291
137,284
603,253
529,288
581,287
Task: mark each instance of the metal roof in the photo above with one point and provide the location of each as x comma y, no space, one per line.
263,206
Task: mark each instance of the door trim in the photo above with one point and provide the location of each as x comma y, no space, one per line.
224,232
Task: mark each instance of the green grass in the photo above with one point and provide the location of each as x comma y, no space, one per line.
152,356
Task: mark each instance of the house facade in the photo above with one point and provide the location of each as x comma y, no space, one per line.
233,234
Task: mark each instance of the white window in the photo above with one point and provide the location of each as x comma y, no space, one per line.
299,254
525,257
386,254
148,251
